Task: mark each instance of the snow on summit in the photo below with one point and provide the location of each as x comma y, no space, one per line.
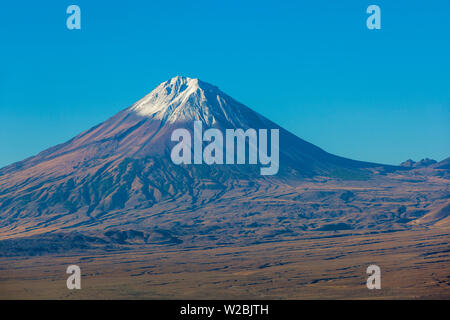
187,99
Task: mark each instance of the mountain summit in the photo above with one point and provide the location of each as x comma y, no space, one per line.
124,163
144,129
183,99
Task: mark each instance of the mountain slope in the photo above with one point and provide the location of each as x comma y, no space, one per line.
124,164
144,130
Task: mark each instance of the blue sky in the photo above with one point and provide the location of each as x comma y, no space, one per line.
311,66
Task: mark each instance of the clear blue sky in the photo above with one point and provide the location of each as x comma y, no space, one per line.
311,66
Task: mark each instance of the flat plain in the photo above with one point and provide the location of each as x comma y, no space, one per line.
414,265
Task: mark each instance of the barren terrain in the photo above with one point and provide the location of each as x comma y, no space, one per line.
414,265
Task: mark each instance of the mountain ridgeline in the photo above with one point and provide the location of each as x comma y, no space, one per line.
124,164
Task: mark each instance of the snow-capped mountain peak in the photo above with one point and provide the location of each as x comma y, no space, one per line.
188,99
180,98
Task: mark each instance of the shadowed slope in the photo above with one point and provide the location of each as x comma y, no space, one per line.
124,164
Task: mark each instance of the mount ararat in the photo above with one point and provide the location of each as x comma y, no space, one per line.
117,181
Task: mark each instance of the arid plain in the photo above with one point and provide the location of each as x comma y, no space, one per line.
308,261
112,201
414,265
